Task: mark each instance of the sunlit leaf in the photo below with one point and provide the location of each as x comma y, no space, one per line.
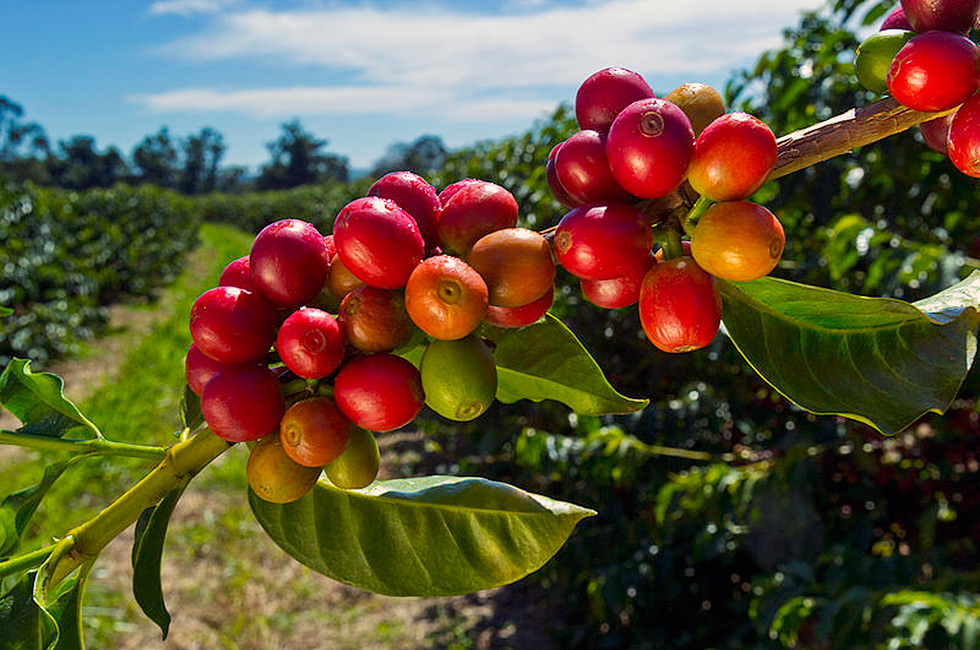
37,400
547,361
432,536
17,509
881,361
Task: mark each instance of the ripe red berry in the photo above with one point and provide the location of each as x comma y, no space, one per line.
649,147
288,261
199,368
414,195
964,137
896,20
476,209
605,93
378,241
732,157
935,133
559,192
450,190
233,325
238,273
375,320
242,402
935,71
380,392
310,343
600,242
947,15
680,307
514,317
583,170
616,293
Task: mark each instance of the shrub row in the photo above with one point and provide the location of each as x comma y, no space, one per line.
64,256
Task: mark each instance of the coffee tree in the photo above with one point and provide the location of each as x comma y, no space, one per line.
315,342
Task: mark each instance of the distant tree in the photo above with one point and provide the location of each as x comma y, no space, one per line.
155,158
23,145
201,159
297,160
232,179
425,155
79,166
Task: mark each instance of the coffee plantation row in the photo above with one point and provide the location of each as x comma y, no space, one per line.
67,255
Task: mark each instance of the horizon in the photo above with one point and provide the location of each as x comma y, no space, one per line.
361,75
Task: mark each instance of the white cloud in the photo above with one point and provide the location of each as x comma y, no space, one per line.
188,7
473,66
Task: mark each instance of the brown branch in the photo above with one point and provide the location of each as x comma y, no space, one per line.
842,133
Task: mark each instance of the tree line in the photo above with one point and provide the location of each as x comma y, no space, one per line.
191,164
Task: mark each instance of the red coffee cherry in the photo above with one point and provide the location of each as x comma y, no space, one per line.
314,432
601,242
238,273
964,137
378,241
375,320
310,343
605,93
680,307
738,240
947,15
476,209
514,317
732,157
233,325
242,402
559,192
199,368
616,293
450,190
896,20
380,392
446,297
414,195
935,133
288,262
935,71
515,263
649,147
583,170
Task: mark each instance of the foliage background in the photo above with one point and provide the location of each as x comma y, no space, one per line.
786,530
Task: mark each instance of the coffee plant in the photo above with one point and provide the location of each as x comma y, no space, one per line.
317,341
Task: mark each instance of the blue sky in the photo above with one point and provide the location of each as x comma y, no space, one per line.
361,74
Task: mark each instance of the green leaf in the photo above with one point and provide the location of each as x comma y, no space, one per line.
5,311
432,536
36,398
55,624
190,409
151,533
66,608
18,508
547,361
880,361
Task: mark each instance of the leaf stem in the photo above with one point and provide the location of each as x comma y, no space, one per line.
184,459
99,446
691,219
26,561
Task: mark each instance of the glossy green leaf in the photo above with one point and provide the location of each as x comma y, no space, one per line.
18,508
66,608
547,361
151,533
881,361
20,617
37,400
190,409
54,624
432,536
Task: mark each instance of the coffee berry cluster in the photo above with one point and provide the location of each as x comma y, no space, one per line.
297,348
627,244
924,58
